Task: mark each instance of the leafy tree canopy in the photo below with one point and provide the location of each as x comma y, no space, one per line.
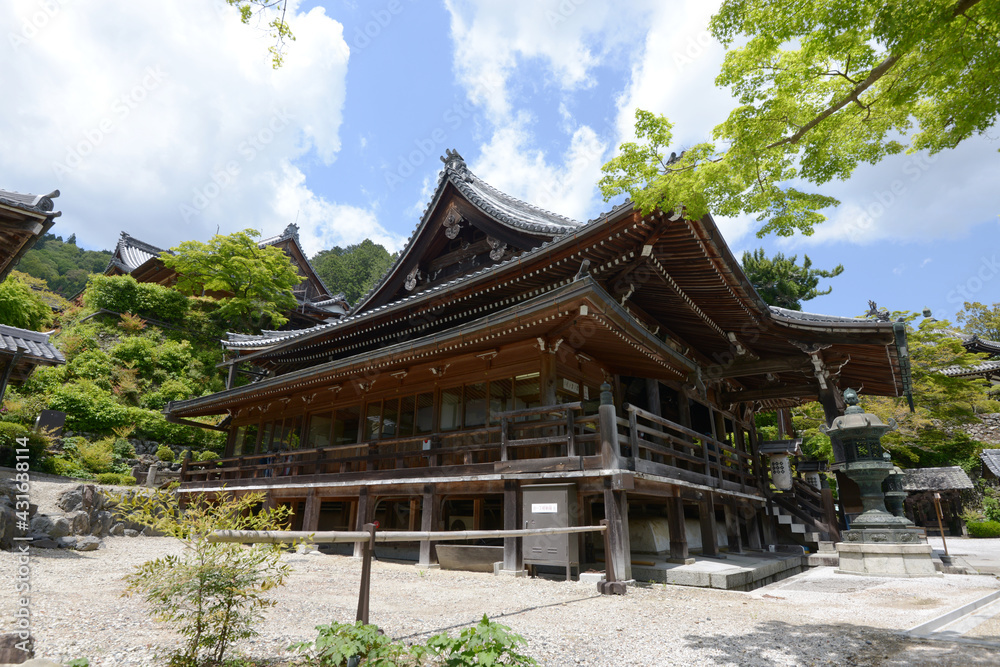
63,265
782,282
821,88
931,435
23,302
254,284
269,15
354,269
981,320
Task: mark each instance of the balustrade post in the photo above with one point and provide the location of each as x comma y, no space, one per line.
633,438
610,449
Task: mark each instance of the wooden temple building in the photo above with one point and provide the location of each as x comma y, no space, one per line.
317,304
509,347
24,218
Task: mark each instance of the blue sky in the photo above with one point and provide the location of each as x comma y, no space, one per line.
165,120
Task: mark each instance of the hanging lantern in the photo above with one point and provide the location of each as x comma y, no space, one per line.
779,451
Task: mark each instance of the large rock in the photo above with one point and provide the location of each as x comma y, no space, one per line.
53,526
131,533
100,523
117,530
67,542
88,543
71,499
9,651
8,522
79,522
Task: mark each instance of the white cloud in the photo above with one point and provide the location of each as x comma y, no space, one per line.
168,121
914,198
569,38
510,163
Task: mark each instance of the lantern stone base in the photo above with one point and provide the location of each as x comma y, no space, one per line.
886,560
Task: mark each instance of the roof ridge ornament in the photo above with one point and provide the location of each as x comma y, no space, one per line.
452,160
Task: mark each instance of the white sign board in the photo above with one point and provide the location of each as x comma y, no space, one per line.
544,508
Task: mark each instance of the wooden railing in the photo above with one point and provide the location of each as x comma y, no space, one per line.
659,446
550,438
541,439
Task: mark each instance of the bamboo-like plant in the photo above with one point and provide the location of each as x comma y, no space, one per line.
213,594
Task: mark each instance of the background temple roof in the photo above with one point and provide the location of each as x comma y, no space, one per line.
936,479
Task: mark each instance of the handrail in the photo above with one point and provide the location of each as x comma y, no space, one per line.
342,536
525,412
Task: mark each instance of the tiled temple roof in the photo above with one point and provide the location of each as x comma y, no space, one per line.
936,479
33,344
991,459
131,253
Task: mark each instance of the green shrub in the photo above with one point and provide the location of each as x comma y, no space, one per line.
164,453
174,357
10,433
123,294
115,479
68,467
88,407
206,456
97,456
212,594
138,352
92,365
486,643
991,503
123,449
984,529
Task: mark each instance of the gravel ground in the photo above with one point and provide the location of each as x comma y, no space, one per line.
816,618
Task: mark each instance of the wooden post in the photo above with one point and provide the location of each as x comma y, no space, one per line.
937,507
367,548
616,513
633,438
706,512
830,512
753,530
570,433
653,396
430,517
675,521
7,372
477,514
503,438
513,557
610,450
733,528
362,518
547,378
310,517
414,512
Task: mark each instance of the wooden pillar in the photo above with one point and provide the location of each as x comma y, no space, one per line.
477,514
513,556
414,513
706,512
733,528
610,450
5,378
430,518
310,517
361,518
547,378
653,396
766,527
675,521
753,530
616,513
